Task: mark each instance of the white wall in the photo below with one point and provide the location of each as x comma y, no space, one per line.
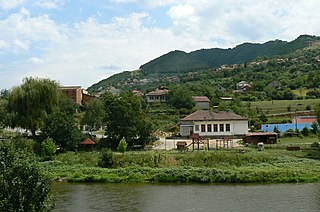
236,128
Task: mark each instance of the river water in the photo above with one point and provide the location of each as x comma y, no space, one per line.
186,197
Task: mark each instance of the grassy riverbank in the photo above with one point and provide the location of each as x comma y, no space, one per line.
271,165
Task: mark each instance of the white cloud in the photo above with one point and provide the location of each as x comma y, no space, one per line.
10,4
149,3
3,44
49,4
85,52
36,60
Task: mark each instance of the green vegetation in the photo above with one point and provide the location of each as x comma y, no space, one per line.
271,165
281,106
291,65
125,118
24,184
173,62
33,101
122,147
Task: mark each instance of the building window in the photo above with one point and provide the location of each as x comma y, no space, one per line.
215,128
227,127
221,127
196,128
209,128
203,127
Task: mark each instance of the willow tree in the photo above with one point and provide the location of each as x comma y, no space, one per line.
33,101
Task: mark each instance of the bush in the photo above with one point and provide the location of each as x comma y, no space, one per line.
48,148
106,158
24,186
315,145
122,147
305,131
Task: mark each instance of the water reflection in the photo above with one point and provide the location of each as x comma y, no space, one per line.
164,197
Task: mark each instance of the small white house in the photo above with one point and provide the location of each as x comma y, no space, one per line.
213,124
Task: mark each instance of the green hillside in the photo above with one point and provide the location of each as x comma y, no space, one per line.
293,63
173,62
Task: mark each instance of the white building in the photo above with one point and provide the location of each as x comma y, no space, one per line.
213,124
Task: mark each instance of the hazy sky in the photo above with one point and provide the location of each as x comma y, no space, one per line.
80,42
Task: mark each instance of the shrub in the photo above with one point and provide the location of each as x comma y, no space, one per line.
315,145
106,158
305,131
48,148
122,147
24,186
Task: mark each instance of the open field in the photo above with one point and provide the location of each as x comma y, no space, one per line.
281,106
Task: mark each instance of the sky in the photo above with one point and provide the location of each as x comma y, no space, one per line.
80,42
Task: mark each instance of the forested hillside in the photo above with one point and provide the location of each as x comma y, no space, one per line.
294,64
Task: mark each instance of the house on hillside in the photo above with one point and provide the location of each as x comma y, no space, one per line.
159,95
76,94
243,86
276,84
202,102
216,123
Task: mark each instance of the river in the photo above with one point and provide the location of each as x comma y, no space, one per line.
76,197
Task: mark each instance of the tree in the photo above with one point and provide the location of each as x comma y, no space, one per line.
24,186
62,128
125,118
181,98
33,101
122,147
48,148
94,114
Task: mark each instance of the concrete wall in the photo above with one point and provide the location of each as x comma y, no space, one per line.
236,128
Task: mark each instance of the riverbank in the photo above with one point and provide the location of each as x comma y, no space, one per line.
269,166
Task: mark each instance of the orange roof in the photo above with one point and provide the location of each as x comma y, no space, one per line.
88,141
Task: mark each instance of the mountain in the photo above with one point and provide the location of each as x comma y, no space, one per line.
249,51
176,63
173,62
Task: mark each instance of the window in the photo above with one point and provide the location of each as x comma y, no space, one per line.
228,127
215,128
209,128
196,127
221,127
203,127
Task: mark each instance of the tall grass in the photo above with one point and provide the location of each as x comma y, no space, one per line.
274,165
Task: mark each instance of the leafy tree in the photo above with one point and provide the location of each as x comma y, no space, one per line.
122,147
181,98
94,114
24,186
48,148
263,118
125,118
33,101
62,128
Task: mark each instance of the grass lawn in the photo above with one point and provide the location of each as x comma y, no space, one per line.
281,106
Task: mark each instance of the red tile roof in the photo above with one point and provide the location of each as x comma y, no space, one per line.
207,115
88,141
201,99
